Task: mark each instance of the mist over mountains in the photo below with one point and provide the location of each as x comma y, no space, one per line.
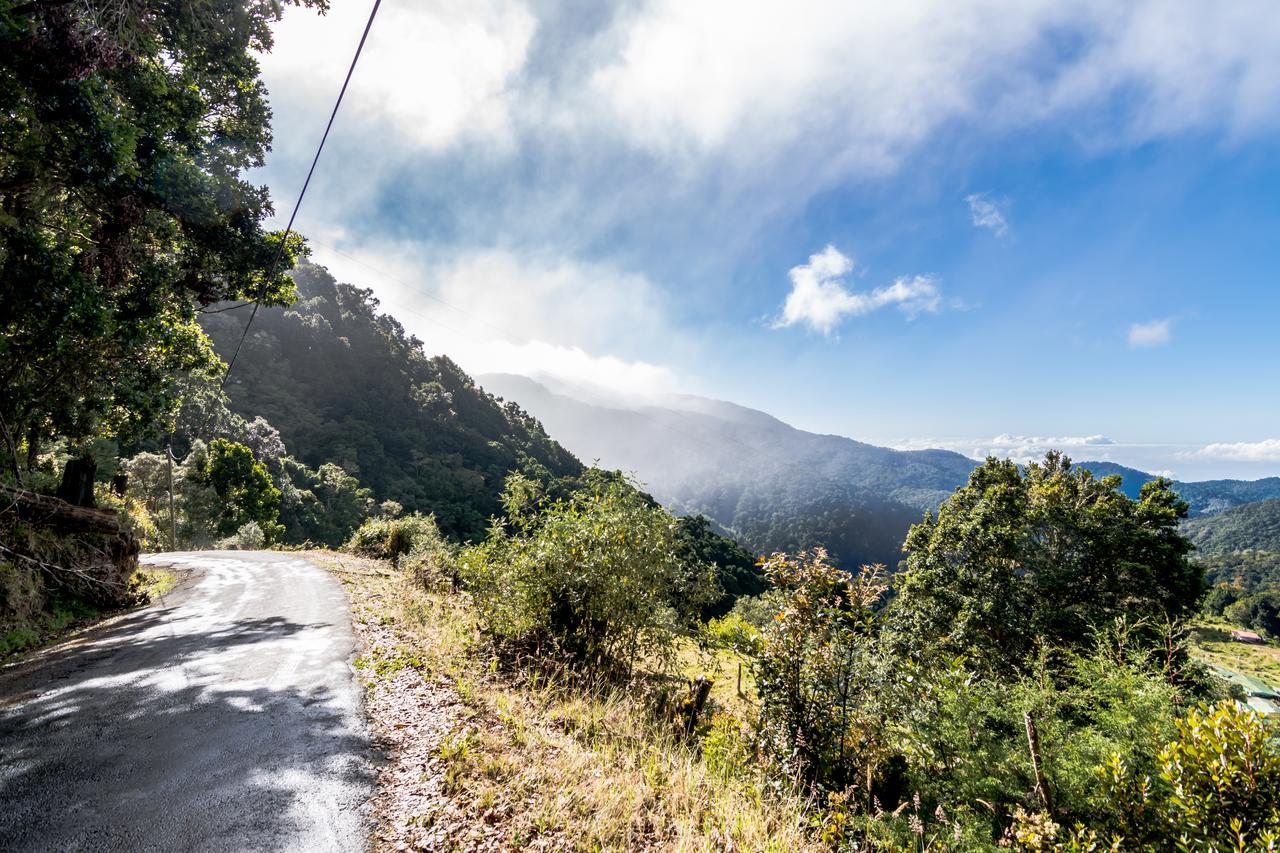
769,484
776,487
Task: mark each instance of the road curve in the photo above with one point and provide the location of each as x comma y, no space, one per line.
224,717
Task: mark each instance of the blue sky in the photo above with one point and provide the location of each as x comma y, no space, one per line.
995,227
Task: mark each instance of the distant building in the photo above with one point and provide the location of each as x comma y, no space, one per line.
1241,636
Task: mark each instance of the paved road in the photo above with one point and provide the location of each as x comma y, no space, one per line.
225,717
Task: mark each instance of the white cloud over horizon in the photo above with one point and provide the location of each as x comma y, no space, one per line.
820,90
1267,450
1154,333
820,300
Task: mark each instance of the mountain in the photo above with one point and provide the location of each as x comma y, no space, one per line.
1251,527
1240,547
343,383
773,486
1206,497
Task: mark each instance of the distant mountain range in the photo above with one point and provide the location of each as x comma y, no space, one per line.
776,487
1206,497
771,485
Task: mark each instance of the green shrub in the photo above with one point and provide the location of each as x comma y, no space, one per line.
248,538
591,581
819,670
429,558
388,538
1224,777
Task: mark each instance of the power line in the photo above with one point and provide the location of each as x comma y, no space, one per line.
289,229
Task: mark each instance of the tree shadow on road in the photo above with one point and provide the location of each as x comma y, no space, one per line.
107,744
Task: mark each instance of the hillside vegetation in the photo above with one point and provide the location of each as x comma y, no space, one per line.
1240,552
1251,527
344,384
1027,687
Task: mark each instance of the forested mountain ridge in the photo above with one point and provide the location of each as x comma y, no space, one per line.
1205,497
1251,527
773,486
345,384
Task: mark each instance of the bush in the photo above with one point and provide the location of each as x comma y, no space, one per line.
1224,776
388,538
248,538
429,560
591,581
818,670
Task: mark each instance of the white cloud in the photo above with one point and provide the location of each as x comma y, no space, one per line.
433,73
1022,448
849,88
820,300
1267,450
1155,333
499,311
985,213
857,86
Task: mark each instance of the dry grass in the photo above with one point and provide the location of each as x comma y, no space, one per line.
526,765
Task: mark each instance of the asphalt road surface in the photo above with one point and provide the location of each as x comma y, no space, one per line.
224,717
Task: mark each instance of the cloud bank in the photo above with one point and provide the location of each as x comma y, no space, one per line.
1267,450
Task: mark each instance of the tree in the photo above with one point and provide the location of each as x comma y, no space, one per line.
322,506
821,671
1048,555
591,581
126,127
243,486
1260,611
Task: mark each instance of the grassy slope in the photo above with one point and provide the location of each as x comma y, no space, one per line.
1211,642
66,619
518,764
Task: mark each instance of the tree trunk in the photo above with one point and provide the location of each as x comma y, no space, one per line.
77,481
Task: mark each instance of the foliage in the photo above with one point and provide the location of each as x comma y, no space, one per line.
737,571
1251,527
321,506
346,385
1014,558
248,538
1243,571
243,487
819,668
127,127
390,538
591,580
1260,611
1224,775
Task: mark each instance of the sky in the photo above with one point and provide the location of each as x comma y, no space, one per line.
995,227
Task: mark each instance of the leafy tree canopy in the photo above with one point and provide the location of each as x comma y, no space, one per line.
243,486
124,129
1050,553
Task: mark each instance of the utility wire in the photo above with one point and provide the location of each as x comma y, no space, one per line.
289,229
